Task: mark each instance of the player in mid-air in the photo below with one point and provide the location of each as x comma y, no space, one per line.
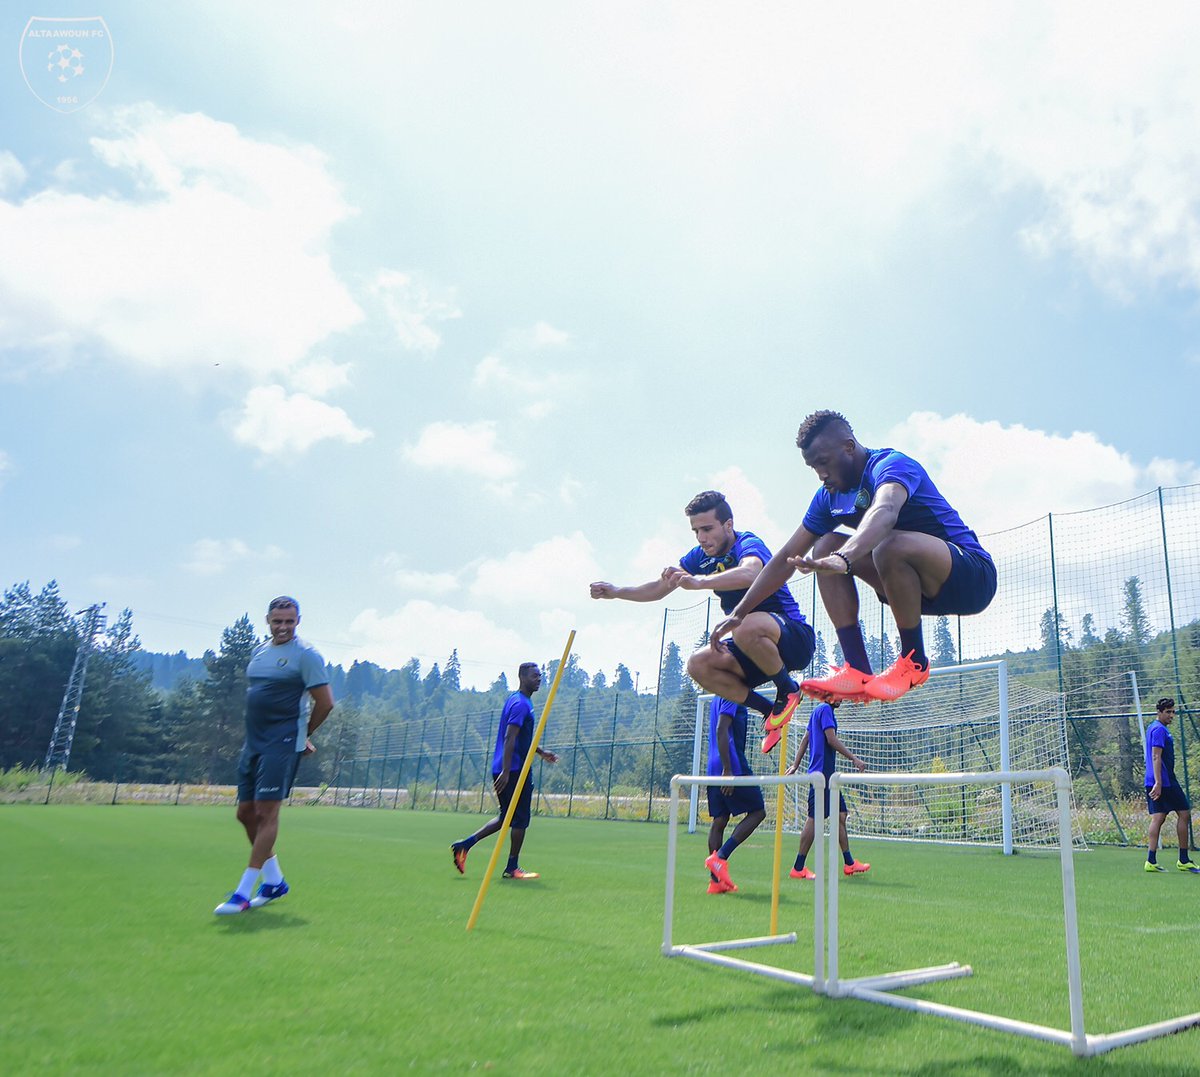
1164,794
513,738
771,638
909,545
280,672
727,758
823,744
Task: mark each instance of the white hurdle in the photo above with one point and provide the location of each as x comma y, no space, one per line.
879,988
711,952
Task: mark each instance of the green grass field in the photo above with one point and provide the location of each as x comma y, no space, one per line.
113,962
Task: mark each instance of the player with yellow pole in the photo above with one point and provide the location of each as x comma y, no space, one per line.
512,791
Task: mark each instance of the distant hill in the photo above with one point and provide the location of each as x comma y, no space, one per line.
167,670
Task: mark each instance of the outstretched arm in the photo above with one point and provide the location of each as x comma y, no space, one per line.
651,591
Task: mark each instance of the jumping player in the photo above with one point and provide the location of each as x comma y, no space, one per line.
727,758
909,545
821,737
771,637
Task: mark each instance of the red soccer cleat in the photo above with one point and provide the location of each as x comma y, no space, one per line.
719,868
773,723
715,886
897,679
857,868
803,873
844,683
460,858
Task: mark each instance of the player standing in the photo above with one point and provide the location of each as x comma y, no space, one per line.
727,758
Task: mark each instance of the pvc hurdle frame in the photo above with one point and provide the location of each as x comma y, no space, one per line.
711,951
880,988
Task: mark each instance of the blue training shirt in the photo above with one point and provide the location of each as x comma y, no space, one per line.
735,737
745,544
277,676
925,511
821,757
1159,736
518,711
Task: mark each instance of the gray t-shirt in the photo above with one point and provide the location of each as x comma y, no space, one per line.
277,678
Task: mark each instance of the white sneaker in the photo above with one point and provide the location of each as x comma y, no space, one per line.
235,903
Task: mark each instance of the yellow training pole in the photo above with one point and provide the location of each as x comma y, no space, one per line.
521,779
783,765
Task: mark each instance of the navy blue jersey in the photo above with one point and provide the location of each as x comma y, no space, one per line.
745,544
518,711
277,677
821,757
736,737
1159,736
925,511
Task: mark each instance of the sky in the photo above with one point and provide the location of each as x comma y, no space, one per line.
430,314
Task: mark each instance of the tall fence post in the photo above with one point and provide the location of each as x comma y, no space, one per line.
574,757
612,750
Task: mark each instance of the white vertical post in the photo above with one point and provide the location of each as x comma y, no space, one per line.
672,820
694,791
1137,703
1005,787
818,787
1062,786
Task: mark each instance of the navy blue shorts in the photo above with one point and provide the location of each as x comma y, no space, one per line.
812,803
521,816
797,642
745,798
267,775
1173,799
968,589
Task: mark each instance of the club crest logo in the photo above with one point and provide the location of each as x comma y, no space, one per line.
66,62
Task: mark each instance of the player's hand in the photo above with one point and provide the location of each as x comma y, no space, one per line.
724,628
823,566
602,589
550,757
1156,790
673,576
500,782
792,769
689,583
860,765
309,747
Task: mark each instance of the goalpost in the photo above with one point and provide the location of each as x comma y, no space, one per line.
970,718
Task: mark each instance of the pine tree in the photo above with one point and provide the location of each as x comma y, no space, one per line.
943,643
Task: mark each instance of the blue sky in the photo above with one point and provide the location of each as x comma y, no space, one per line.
432,315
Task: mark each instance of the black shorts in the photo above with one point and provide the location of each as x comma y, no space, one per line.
968,589
267,775
1173,799
745,798
812,802
797,642
521,815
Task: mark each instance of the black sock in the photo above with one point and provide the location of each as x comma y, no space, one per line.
848,857
757,703
913,640
784,685
1183,856
854,651
1152,856
512,864
800,861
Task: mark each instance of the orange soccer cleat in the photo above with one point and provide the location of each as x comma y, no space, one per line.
857,868
845,683
803,873
897,679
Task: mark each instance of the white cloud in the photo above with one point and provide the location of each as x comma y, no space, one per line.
466,447
412,307
274,422
492,371
6,466
541,336
63,543
320,376
543,575
210,557
12,172
430,632
999,477
425,583
220,254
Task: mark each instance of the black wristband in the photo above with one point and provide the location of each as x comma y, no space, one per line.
838,553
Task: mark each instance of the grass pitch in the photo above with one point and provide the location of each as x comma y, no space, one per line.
113,963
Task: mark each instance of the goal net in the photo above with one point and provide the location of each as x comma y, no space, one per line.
965,719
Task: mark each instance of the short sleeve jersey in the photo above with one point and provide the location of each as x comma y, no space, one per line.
925,511
518,711
735,737
821,758
745,544
277,677
1159,736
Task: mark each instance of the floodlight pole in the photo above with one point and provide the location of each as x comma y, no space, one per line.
58,754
